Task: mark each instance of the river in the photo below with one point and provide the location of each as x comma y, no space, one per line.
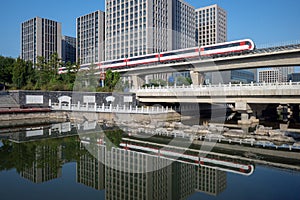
58,162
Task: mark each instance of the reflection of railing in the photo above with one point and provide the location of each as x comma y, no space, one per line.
196,160
111,109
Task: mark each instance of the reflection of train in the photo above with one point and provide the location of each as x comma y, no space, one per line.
219,49
190,156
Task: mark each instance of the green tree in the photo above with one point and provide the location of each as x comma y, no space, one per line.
6,69
111,80
22,73
181,80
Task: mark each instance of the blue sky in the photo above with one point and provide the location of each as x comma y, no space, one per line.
264,21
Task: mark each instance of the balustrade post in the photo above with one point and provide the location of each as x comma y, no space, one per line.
110,107
95,106
118,107
103,106
78,105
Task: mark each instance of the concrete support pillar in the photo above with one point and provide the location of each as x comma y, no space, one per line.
197,77
244,108
137,81
244,119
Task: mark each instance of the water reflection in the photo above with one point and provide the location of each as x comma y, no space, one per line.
39,153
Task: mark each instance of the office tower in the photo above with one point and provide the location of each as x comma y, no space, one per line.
68,49
211,25
183,25
40,37
269,75
90,37
138,27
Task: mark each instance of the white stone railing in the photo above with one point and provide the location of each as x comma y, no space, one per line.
252,89
110,109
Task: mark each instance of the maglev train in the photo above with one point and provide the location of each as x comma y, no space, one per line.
237,46
179,55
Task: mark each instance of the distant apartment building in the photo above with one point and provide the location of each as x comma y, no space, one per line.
211,25
294,77
40,37
68,49
284,72
142,27
269,75
233,76
90,37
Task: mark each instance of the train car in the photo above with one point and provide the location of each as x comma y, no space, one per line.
227,47
143,59
179,55
114,64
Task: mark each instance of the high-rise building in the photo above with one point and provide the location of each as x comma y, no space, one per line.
211,28
90,37
40,37
183,25
211,25
68,49
138,27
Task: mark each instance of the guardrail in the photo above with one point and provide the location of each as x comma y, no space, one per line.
110,109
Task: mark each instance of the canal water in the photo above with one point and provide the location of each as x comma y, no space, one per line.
50,163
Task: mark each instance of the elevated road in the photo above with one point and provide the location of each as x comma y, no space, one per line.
277,93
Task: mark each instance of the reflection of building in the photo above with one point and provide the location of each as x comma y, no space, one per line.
90,37
40,37
90,170
46,165
158,178
209,180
